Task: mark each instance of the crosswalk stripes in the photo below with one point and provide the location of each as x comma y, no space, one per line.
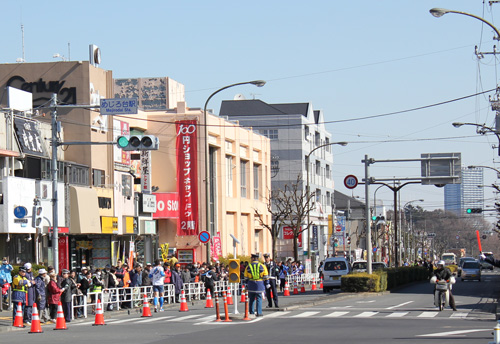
336,314
365,314
428,314
397,314
277,314
459,315
304,315
141,321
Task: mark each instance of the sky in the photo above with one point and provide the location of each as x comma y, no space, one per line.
351,59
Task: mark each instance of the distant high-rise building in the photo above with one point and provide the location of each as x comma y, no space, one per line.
468,194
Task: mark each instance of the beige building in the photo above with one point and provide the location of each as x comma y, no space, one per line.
239,179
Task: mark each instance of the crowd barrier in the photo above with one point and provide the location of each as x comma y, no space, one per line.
133,297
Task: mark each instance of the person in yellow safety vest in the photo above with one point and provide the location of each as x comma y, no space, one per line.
20,285
257,278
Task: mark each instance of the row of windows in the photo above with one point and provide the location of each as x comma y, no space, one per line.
40,168
244,166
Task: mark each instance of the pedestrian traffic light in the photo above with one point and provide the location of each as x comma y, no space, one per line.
36,217
374,218
234,271
474,210
348,240
138,142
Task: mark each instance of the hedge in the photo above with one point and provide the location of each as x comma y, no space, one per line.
382,280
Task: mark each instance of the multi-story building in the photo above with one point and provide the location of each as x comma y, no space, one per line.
105,209
468,194
295,130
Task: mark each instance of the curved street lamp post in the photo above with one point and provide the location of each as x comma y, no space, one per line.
308,191
258,83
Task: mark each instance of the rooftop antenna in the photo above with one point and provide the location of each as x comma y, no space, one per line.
23,58
69,51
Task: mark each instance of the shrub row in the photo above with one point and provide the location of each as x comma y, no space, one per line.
382,280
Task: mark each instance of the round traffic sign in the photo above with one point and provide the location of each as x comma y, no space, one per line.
351,181
338,228
204,237
20,212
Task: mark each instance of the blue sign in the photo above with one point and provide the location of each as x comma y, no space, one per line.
119,106
20,212
341,222
315,238
204,237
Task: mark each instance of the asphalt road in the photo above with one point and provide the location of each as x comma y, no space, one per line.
405,316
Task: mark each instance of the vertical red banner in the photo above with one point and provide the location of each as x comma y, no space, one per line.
187,177
63,250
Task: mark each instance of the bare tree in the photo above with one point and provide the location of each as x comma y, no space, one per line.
300,203
278,207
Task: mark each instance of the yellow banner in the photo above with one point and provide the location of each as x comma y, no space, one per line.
330,225
164,252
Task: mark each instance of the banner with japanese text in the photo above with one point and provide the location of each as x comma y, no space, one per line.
216,247
187,177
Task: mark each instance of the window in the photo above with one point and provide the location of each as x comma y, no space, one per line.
98,177
318,195
229,175
271,134
328,172
317,139
256,171
78,175
327,142
243,180
328,198
318,167
306,133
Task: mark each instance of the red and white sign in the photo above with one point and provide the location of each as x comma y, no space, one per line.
187,177
288,234
167,205
351,181
216,247
60,230
338,228
63,253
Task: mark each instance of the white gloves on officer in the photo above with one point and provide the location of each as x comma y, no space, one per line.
268,286
483,257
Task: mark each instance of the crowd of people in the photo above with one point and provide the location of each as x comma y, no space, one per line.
47,289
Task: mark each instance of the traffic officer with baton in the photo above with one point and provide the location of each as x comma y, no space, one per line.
274,275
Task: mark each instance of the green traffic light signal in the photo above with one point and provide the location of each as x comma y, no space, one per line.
122,141
374,218
474,210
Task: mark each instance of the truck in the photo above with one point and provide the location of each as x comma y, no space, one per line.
449,258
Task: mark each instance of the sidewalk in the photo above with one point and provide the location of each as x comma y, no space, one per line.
310,298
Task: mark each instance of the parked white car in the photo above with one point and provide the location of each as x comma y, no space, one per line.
333,269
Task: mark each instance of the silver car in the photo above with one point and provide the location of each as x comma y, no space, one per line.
471,271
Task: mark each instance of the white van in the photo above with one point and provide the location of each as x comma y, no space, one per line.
333,268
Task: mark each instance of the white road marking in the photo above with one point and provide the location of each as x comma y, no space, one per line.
368,301
304,315
402,304
123,321
155,319
276,314
365,315
186,317
336,314
459,315
428,314
397,315
451,333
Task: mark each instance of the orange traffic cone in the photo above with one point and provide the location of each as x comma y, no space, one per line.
321,283
313,287
18,320
60,321
146,311
243,296
184,305
99,315
303,288
36,327
229,296
209,303
287,289
295,290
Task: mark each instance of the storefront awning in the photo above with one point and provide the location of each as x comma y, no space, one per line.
85,217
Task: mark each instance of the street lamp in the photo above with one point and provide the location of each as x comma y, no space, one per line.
482,130
439,12
409,210
258,83
491,168
308,196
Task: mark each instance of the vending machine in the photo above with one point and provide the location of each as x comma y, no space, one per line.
186,256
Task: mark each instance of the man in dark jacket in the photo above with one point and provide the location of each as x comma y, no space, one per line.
146,281
176,280
491,260
40,295
442,273
69,287
30,293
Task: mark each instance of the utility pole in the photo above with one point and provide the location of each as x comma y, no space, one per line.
55,214
367,216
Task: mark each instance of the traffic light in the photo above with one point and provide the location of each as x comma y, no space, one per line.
138,142
374,218
474,210
36,217
234,271
348,240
